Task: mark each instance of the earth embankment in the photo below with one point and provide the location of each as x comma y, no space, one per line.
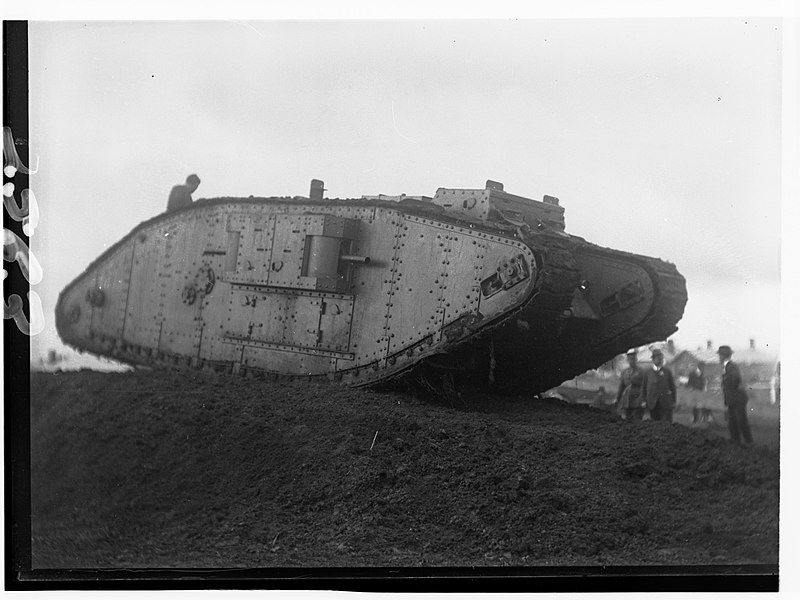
155,469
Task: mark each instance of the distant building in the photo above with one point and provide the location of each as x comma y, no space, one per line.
643,356
760,368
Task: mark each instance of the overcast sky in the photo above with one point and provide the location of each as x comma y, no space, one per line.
659,136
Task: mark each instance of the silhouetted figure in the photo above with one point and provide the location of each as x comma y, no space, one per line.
599,400
629,400
697,388
735,397
181,195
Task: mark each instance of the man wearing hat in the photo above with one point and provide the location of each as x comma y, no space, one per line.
735,397
629,400
181,195
658,389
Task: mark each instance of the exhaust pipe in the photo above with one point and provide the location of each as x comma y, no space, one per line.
354,259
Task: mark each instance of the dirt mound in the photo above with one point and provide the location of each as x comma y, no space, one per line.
149,469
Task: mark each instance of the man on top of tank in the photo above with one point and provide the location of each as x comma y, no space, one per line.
181,195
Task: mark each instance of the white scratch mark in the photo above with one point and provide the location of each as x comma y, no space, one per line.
373,441
246,24
394,122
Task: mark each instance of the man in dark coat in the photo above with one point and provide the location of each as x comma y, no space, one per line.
658,389
181,195
735,397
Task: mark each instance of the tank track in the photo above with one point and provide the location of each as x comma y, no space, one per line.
668,304
558,276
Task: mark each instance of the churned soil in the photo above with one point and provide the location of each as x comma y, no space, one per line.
157,469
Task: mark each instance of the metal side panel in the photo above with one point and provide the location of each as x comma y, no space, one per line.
416,303
113,278
301,326
217,348
214,220
184,243
254,238
500,251
464,269
286,262
76,325
238,321
290,321
372,284
74,314
142,323
334,324
268,317
438,280
288,362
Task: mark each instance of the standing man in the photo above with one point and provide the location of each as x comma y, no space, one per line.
181,195
629,394
697,388
735,397
658,389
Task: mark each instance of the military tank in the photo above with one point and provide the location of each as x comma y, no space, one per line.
480,286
